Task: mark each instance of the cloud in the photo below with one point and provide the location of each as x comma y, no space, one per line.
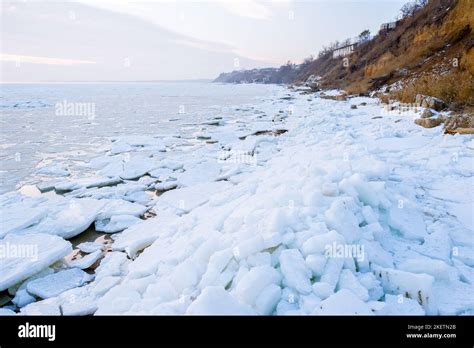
204,45
247,8
42,60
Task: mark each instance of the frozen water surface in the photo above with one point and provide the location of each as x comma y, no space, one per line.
224,199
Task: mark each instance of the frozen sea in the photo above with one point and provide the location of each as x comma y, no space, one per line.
45,123
257,200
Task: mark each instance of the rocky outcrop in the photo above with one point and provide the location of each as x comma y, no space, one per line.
430,102
339,97
429,122
462,124
427,113
429,118
454,124
314,82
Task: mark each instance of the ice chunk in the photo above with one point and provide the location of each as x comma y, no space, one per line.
116,223
453,298
252,284
217,262
118,300
437,244
79,307
464,254
120,207
259,259
161,291
268,299
161,173
343,302
112,168
316,263
86,261
143,234
330,189
369,215
22,298
400,305
406,218
370,193
69,218
466,272
272,240
332,271
340,217
19,216
20,286
437,268
295,272
104,284
323,290
214,300
371,283
136,167
348,280
188,198
6,311
49,306
375,254
166,185
248,247
319,243
411,285
89,247
25,255
54,284
308,303
185,275
101,182
199,173
111,265
54,170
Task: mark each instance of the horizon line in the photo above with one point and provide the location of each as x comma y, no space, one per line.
102,81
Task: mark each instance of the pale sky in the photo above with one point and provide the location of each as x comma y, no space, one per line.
110,40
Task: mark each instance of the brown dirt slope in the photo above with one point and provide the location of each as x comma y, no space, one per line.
430,52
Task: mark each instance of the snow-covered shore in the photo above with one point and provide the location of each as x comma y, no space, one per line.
295,205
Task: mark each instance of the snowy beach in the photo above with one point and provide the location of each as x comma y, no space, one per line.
290,205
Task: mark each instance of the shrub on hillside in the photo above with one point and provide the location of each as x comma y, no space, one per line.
455,88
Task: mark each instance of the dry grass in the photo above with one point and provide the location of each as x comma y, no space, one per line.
455,88
384,98
357,87
422,45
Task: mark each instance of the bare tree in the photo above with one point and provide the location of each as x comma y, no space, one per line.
410,8
365,35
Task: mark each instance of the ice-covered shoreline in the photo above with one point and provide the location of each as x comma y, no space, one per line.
303,206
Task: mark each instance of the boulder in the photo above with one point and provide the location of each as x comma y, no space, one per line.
429,122
462,124
430,102
427,113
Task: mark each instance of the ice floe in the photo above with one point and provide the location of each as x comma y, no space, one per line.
54,284
318,211
26,255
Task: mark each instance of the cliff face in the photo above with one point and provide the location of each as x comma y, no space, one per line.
285,74
437,38
431,47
